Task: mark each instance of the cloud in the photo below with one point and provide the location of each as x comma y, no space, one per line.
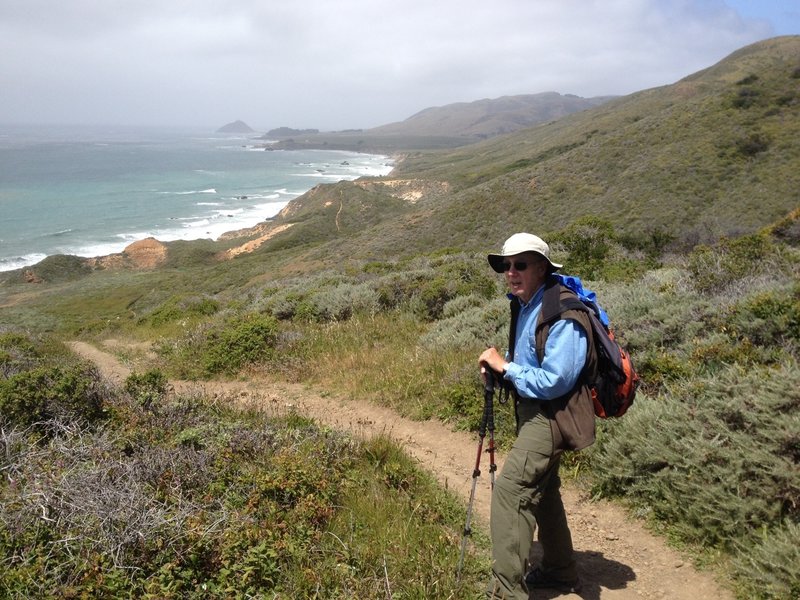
350,63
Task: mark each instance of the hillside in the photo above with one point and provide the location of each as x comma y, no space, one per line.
490,117
714,154
448,126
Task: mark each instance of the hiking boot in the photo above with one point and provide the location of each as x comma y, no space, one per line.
536,578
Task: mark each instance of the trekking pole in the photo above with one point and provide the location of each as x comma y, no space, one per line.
487,421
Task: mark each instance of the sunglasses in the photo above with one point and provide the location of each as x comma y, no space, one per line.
519,265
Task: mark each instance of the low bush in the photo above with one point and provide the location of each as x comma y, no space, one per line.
770,560
470,321
768,318
219,347
713,269
33,398
147,388
730,444
200,501
238,342
177,308
341,302
17,353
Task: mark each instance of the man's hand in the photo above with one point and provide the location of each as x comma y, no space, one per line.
493,359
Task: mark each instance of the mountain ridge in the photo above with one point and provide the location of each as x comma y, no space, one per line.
449,126
490,117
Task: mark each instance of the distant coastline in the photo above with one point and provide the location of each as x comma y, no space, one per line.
92,194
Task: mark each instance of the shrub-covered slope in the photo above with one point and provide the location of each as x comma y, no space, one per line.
714,154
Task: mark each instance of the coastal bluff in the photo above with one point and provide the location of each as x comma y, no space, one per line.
148,253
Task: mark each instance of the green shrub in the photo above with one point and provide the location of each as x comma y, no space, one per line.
341,302
206,502
31,398
715,459
147,388
177,308
588,242
656,367
745,98
594,251
452,277
288,304
434,294
396,289
771,561
470,322
752,144
731,260
241,341
17,353
720,351
769,318
223,347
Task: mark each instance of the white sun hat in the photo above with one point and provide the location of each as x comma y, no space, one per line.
519,243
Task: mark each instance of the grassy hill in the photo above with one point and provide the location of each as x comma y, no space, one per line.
490,117
447,126
715,154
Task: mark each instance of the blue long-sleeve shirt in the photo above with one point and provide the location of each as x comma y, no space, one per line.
564,355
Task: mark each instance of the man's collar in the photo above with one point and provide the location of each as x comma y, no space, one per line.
537,296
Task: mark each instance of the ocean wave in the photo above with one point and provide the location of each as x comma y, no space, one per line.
285,192
191,192
59,233
229,212
18,262
185,207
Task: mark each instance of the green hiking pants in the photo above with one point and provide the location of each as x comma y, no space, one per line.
527,492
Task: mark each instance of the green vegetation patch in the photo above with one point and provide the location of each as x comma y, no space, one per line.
716,460
178,497
40,383
223,347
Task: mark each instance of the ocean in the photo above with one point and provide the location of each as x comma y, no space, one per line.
93,191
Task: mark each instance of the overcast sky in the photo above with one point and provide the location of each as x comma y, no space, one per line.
336,64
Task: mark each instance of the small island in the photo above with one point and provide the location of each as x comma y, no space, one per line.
236,127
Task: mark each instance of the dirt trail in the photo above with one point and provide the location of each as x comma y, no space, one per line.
618,559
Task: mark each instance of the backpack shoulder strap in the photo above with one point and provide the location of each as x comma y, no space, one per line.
551,302
560,302
512,328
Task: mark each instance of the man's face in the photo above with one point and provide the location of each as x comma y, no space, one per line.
526,273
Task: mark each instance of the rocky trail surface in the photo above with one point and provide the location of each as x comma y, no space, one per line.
618,558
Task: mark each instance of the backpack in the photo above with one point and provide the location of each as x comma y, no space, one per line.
613,389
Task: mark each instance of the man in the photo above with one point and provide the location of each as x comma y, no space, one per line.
543,367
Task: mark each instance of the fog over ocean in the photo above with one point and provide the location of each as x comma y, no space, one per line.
93,191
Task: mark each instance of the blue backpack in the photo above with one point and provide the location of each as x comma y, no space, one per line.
614,387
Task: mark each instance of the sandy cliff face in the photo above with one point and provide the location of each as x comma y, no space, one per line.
250,246
148,253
